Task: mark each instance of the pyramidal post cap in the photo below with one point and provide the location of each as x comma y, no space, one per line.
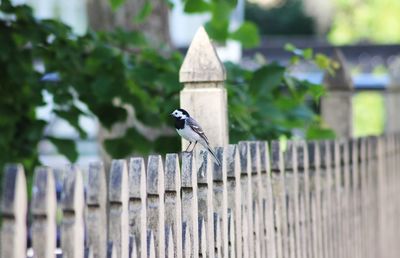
202,63
341,80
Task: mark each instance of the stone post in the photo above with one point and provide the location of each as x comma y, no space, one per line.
204,95
392,98
336,106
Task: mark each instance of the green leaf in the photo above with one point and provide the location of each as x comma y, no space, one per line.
143,13
196,6
247,34
72,117
308,53
217,31
66,147
289,47
115,4
109,114
322,61
315,132
266,78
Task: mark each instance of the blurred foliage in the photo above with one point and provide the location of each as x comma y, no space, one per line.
286,19
112,73
218,27
369,114
369,20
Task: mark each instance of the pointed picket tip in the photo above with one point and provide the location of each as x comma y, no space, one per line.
202,63
341,80
44,192
14,196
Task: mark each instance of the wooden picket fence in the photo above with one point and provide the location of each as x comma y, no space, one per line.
307,199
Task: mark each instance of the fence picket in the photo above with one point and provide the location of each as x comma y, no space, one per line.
72,235
189,205
234,193
173,204
247,200
220,197
138,204
205,196
203,248
155,203
13,212
44,205
269,203
118,196
96,210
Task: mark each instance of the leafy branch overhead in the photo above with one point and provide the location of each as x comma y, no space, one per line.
218,27
116,77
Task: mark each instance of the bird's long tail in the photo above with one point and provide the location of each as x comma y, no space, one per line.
214,155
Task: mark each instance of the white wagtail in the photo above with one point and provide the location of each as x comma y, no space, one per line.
191,131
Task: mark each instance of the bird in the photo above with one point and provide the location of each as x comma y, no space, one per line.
191,131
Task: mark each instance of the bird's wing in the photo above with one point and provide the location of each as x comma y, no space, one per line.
196,127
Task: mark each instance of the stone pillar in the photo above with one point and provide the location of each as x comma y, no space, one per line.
392,98
204,95
336,106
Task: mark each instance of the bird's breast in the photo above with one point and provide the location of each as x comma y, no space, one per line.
188,134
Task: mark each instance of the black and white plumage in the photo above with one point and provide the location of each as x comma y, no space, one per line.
191,131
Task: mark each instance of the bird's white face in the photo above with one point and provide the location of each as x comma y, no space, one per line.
179,114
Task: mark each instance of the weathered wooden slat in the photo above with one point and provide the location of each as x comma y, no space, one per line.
203,248
151,245
231,234
155,202
247,199
291,228
217,236
318,208
269,204
234,192
72,199
133,248
303,253
13,212
338,199
186,240
169,247
220,197
356,198
44,205
258,195
329,191
189,206
282,195
173,205
296,197
96,210
118,196
205,196
138,204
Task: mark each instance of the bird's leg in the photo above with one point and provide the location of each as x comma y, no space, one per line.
190,143
194,146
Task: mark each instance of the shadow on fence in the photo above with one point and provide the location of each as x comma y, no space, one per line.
310,199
